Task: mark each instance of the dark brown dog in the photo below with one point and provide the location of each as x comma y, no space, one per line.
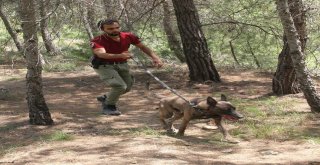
174,108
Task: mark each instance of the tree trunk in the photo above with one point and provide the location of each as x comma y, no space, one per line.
109,8
285,81
124,12
253,55
12,33
173,42
48,42
84,18
38,111
297,55
233,54
201,67
92,16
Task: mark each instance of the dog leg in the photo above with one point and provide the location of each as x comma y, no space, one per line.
227,137
187,116
163,116
185,121
183,127
176,116
218,122
165,112
162,120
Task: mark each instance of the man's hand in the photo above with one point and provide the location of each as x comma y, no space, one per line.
157,62
126,55
155,59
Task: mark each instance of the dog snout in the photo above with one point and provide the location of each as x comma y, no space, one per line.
237,114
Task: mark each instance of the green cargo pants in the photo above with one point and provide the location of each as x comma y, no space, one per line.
118,77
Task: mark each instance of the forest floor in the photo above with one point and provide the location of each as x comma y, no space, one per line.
82,135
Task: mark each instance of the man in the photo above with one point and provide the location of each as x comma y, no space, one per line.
111,49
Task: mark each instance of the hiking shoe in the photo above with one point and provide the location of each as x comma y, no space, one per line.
111,110
102,98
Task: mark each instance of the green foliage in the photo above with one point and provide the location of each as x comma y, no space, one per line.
140,131
58,136
251,26
7,48
312,139
60,67
255,111
75,44
5,149
9,127
272,118
13,79
155,38
144,131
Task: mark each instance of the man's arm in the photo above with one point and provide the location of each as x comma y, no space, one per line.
101,53
155,59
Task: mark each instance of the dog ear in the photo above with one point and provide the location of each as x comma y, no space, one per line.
211,101
223,97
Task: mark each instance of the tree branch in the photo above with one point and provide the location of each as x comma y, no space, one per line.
242,23
149,10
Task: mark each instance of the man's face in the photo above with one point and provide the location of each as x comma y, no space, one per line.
112,30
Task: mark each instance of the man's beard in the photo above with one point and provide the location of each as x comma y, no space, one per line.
113,34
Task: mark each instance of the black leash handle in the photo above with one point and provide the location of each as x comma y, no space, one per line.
139,63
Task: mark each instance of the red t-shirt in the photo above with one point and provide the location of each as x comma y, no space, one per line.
114,47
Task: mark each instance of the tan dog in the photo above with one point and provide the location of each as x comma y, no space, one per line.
174,108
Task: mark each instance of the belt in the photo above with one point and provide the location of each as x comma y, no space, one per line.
113,63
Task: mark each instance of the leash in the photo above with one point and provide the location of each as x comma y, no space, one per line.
139,63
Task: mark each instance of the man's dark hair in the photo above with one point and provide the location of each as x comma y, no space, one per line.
106,22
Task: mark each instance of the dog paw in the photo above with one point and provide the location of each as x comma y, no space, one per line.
172,131
175,130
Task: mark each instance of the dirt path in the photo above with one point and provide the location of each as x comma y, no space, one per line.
136,136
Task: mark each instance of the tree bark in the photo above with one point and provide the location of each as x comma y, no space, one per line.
46,37
174,43
12,33
233,54
38,111
285,81
200,64
109,8
297,55
253,55
128,24
92,16
84,18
